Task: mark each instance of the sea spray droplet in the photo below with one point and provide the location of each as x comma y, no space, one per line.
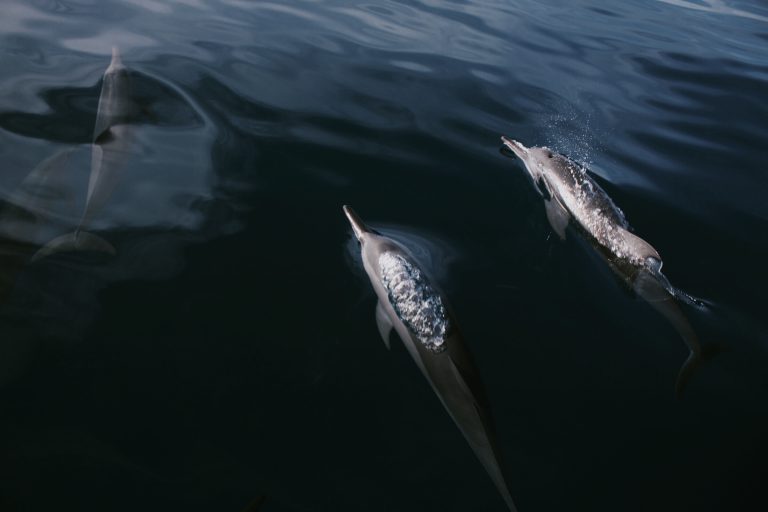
414,300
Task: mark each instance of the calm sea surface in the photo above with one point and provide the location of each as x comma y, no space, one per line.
228,350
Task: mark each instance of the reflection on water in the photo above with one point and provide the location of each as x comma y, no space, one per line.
717,7
223,352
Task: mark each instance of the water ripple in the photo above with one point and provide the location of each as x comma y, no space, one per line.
259,120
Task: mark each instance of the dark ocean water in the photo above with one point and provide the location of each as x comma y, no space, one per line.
229,349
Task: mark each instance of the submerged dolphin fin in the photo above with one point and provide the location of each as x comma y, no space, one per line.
557,216
686,370
77,241
692,364
383,323
36,187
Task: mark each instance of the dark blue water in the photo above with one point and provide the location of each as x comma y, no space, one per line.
229,350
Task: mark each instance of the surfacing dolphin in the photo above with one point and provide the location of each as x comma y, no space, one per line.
572,196
419,314
112,139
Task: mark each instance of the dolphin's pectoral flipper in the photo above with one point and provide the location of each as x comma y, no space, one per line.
383,323
36,191
77,241
557,216
544,190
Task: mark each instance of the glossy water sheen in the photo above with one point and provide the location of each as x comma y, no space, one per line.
229,350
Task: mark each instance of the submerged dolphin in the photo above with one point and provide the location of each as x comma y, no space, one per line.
112,138
409,304
572,196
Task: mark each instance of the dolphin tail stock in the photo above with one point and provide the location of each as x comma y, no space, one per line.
662,297
654,288
677,293
75,241
471,413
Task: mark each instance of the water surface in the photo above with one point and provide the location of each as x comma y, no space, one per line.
229,349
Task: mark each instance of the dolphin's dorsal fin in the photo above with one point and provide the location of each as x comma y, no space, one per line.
558,217
640,247
383,323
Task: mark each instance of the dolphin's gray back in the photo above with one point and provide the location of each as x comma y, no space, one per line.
112,137
583,199
115,104
588,198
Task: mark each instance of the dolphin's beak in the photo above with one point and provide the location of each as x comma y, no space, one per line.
517,148
117,61
358,226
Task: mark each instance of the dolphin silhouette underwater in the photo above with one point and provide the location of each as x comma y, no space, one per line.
409,304
572,197
112,141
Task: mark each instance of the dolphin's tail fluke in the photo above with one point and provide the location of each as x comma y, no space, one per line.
686,371
77,241
655,289
694,361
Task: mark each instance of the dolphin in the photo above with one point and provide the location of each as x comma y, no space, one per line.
572,197
112,140
419,314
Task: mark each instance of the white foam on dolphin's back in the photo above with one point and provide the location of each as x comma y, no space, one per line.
414,300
